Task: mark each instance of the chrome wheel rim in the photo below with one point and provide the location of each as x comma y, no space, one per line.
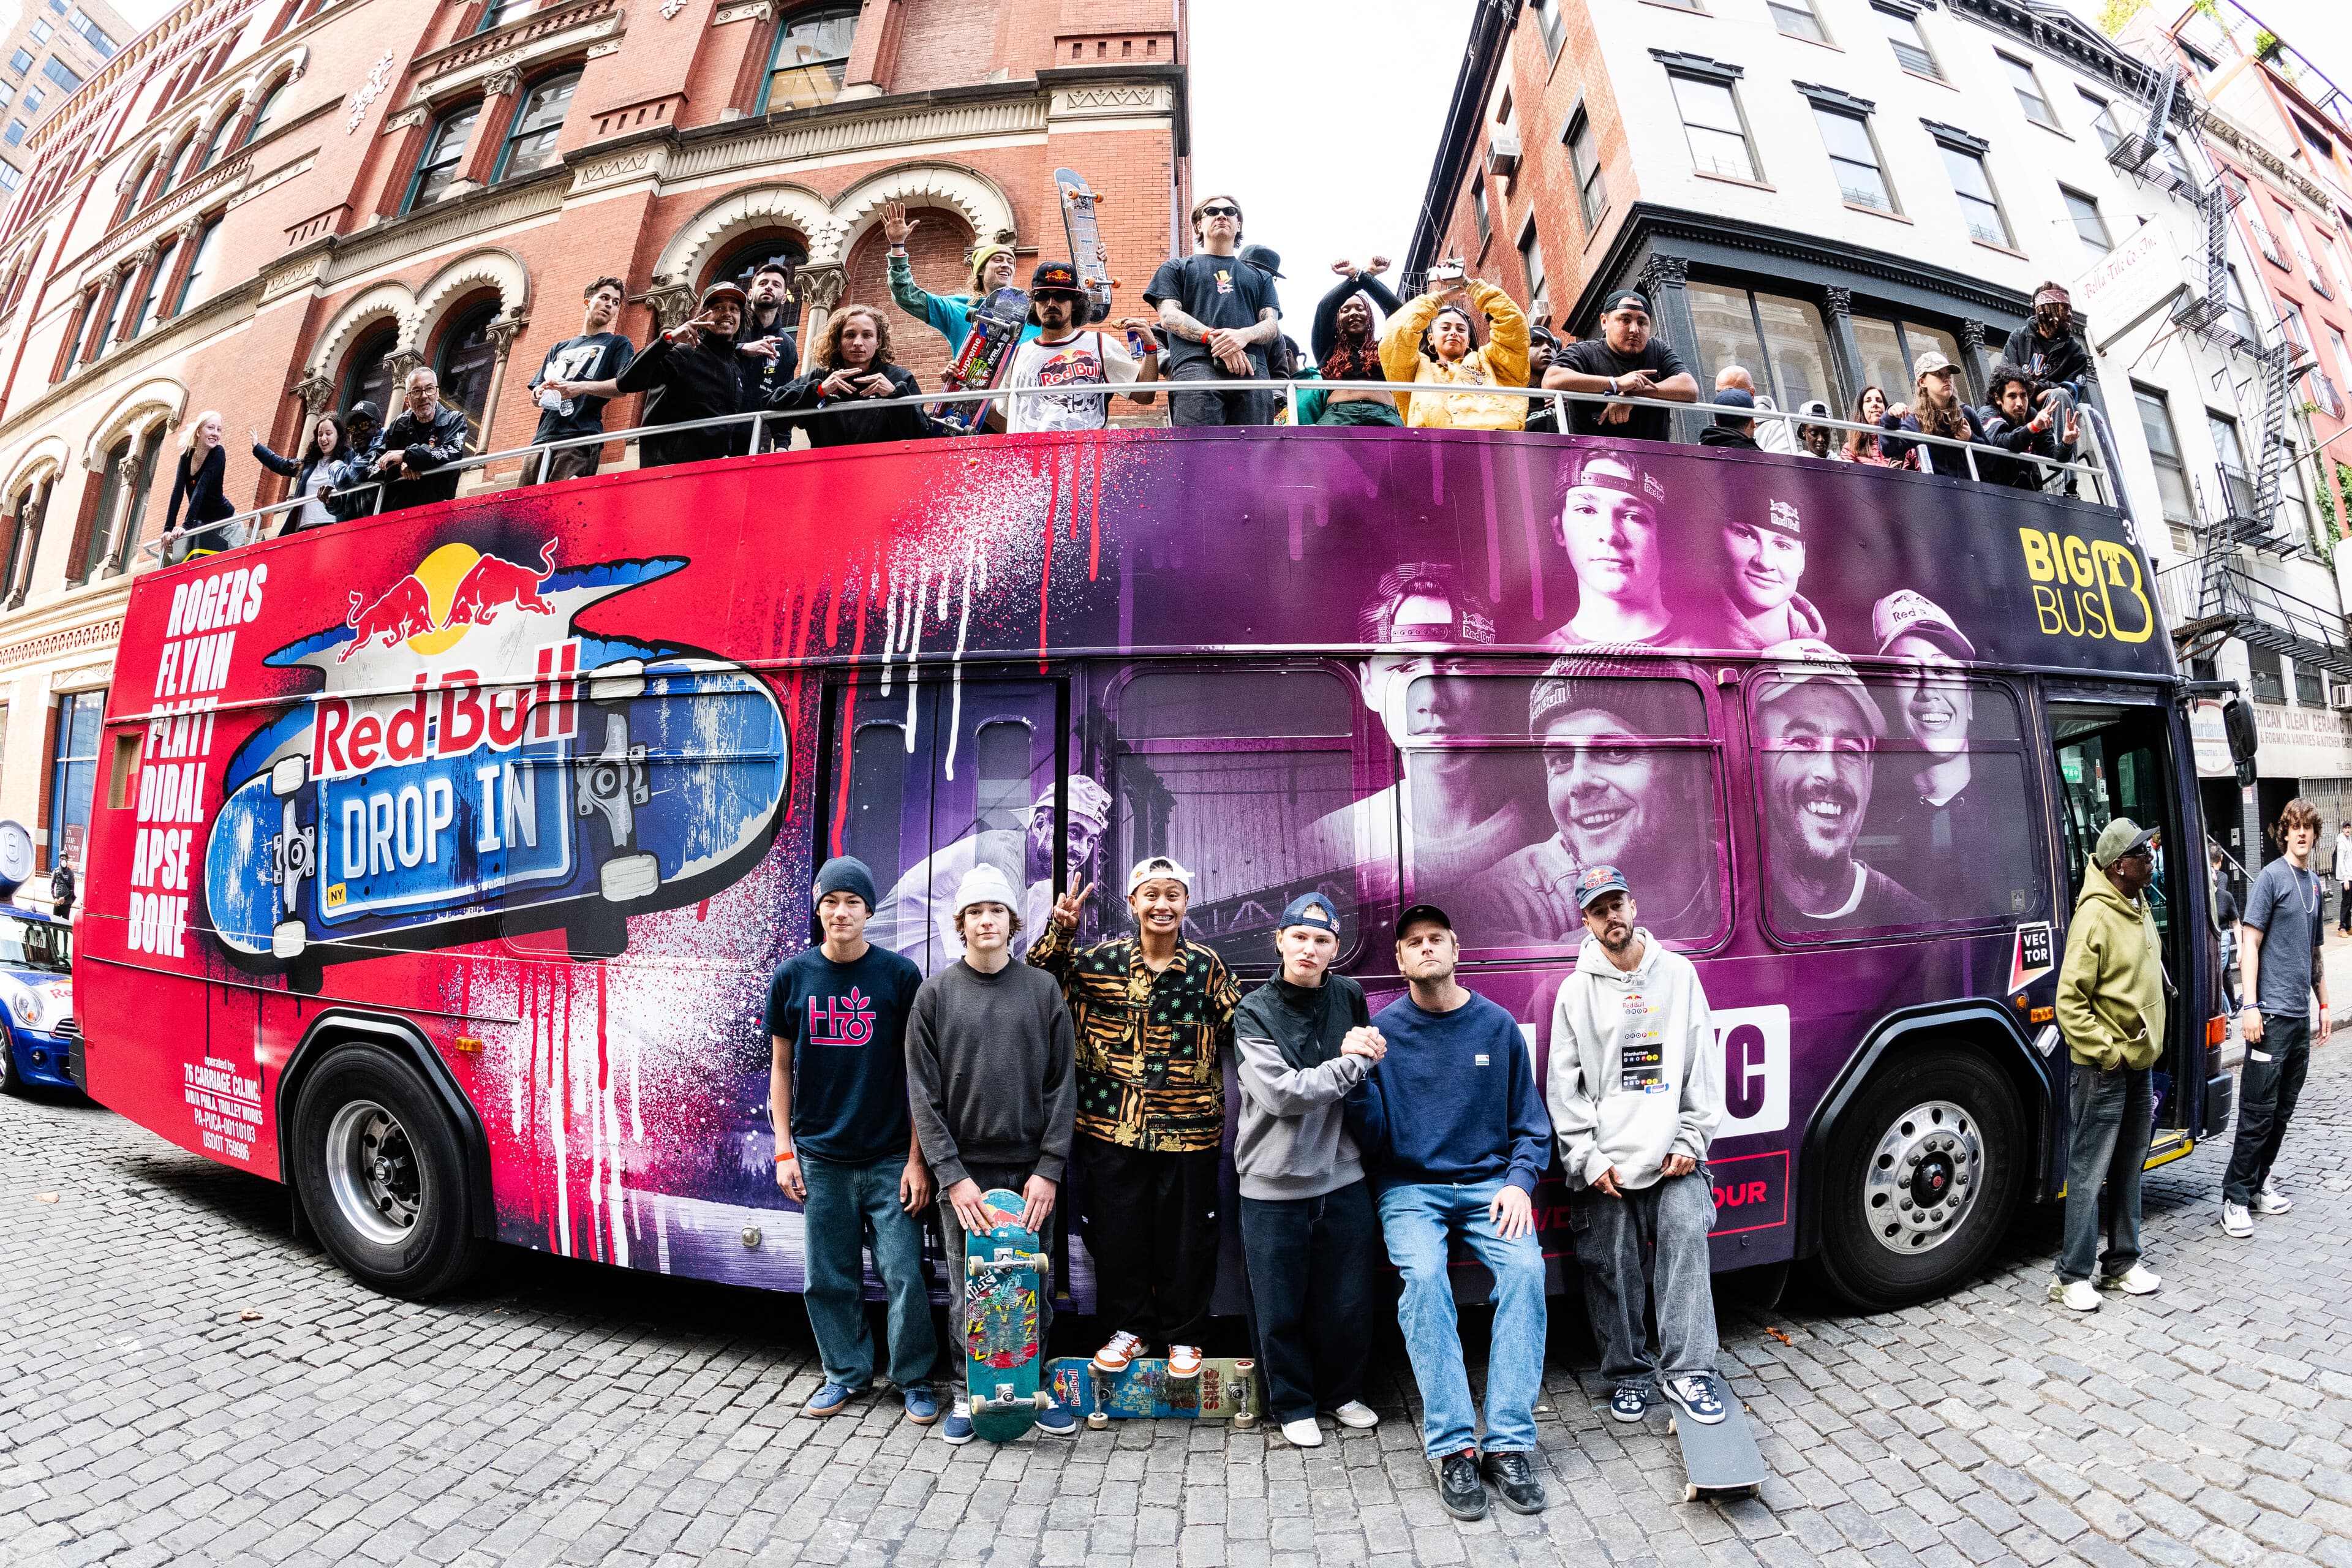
1924,1177
372,1170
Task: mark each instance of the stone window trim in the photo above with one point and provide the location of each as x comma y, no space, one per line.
1698,67
1957,140
1830,97
1908,8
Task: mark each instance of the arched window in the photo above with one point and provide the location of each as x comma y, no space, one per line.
530,142
466,359
367,374
810,58
262,112
445,157
740,259
102,338
219,141
207,243
122,503
157,270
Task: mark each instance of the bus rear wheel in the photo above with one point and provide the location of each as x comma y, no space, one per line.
380,1173
1923,1171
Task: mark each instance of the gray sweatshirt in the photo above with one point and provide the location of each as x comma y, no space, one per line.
1289,1141
991,1071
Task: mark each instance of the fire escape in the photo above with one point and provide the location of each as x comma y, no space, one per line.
2231,600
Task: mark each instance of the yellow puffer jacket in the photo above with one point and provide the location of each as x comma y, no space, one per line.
1502,362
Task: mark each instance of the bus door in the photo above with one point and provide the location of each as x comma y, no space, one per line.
2118,760
943,776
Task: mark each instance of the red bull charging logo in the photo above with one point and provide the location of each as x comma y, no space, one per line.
451,589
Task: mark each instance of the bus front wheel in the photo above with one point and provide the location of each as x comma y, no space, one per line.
1923,1171
380,1173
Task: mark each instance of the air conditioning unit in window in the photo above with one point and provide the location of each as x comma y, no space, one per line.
1503,152
2339,694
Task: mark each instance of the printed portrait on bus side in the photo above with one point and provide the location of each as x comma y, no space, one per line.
1460,814
1818,728
915,918
1607,517
1620,791
1742,572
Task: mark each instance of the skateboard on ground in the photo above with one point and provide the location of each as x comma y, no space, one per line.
1225,1389
1004,1276
996,323
1086,243
1717,1458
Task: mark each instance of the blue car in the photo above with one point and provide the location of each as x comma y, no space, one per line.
36,1001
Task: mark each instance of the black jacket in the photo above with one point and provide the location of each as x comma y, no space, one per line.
424,446
339,507
1724,435
1949,461
2022,437
854,425
2066,363
1325,333
200,492
766,382
702,382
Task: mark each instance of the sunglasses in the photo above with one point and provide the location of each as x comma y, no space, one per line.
1221,212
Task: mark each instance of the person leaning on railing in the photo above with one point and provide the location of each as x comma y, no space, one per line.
1862,446
1348,348
1430,343
700,376
1543,417
415,455
197,484
1936,410
851,363
2012,423
321,471
1625,360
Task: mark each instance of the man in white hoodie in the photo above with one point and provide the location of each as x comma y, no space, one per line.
1635,1094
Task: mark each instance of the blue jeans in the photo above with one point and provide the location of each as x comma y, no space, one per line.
1417,1222
2107,1131
845,1204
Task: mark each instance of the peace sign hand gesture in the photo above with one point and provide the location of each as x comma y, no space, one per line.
1067,907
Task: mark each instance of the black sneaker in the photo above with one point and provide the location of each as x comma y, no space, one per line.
1515,1482
1700,1399
1458,1486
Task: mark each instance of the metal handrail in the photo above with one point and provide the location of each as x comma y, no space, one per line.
544,451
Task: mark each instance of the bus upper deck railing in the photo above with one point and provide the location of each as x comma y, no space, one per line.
541,455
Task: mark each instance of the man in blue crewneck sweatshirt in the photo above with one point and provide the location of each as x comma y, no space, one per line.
1455,1132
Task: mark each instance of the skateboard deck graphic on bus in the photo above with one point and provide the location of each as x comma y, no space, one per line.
996,323
1004,1275
1225,1389
1085,242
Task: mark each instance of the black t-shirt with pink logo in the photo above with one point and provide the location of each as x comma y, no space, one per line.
847,1026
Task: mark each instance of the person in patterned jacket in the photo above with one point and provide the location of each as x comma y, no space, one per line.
1154,1015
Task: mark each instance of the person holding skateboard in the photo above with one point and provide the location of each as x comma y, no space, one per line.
949,315
1636,1093
1301,1042
1153,1015
845,1149
1455,1132
1220,315
1061,355
988,1072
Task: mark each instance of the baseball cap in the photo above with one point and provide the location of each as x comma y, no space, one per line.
984,884
1090,801
1907,612
1735,398
1606,470
1811,660
1152,868
1055,278
1814,407
1265,258
1932,363
365,408
1782,516
2119,839
1416,913
722,289
1309,910
1622,297
1595,882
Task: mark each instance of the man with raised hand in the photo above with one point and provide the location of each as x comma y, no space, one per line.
1302,1041
989,1069
1454,1126
1154,1014
1636,1094
2279,941
949,315
845,1149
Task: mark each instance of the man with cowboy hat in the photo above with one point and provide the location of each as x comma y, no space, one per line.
700,376
1062,354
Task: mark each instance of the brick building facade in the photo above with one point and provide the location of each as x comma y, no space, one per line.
271,208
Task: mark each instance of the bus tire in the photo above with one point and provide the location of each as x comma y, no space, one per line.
380,1173
1924,1169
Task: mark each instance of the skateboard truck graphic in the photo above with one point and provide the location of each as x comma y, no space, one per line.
293,855
613,782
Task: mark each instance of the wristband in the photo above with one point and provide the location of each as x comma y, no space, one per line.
787,1154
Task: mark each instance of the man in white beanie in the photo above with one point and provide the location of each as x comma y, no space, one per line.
992,1075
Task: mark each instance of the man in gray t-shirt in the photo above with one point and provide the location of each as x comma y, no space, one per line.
2278,954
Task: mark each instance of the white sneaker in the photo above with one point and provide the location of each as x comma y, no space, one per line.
2236,1221
2079,1297
1303,1433
1356,1414
2133,1282
2270,1200
1114,1357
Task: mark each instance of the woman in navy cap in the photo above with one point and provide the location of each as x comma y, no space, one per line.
1303,1040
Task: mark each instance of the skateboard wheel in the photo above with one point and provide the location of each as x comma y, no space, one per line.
1045,1400
1097,1421
1244,1420
1690,1493
629,876
288,939
974,1268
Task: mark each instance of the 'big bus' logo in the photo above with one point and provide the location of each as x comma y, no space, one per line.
2086,588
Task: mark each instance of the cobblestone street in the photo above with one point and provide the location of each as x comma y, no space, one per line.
181,1382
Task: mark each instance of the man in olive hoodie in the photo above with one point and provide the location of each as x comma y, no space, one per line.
2111,1013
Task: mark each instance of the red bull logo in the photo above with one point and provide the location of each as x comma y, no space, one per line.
453,589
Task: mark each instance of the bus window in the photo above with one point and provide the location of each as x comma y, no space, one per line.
877,772
1892,802
1622,772
1001,774
1227,771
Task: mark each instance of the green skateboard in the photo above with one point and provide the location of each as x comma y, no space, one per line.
1224,1390
1004,1275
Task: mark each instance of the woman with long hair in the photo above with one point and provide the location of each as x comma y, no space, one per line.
851,367
197,485
316,473
1869,408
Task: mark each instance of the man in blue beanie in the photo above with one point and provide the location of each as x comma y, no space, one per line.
846,1146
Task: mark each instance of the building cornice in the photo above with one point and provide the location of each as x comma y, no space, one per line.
2063,37
2249,147
84,617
